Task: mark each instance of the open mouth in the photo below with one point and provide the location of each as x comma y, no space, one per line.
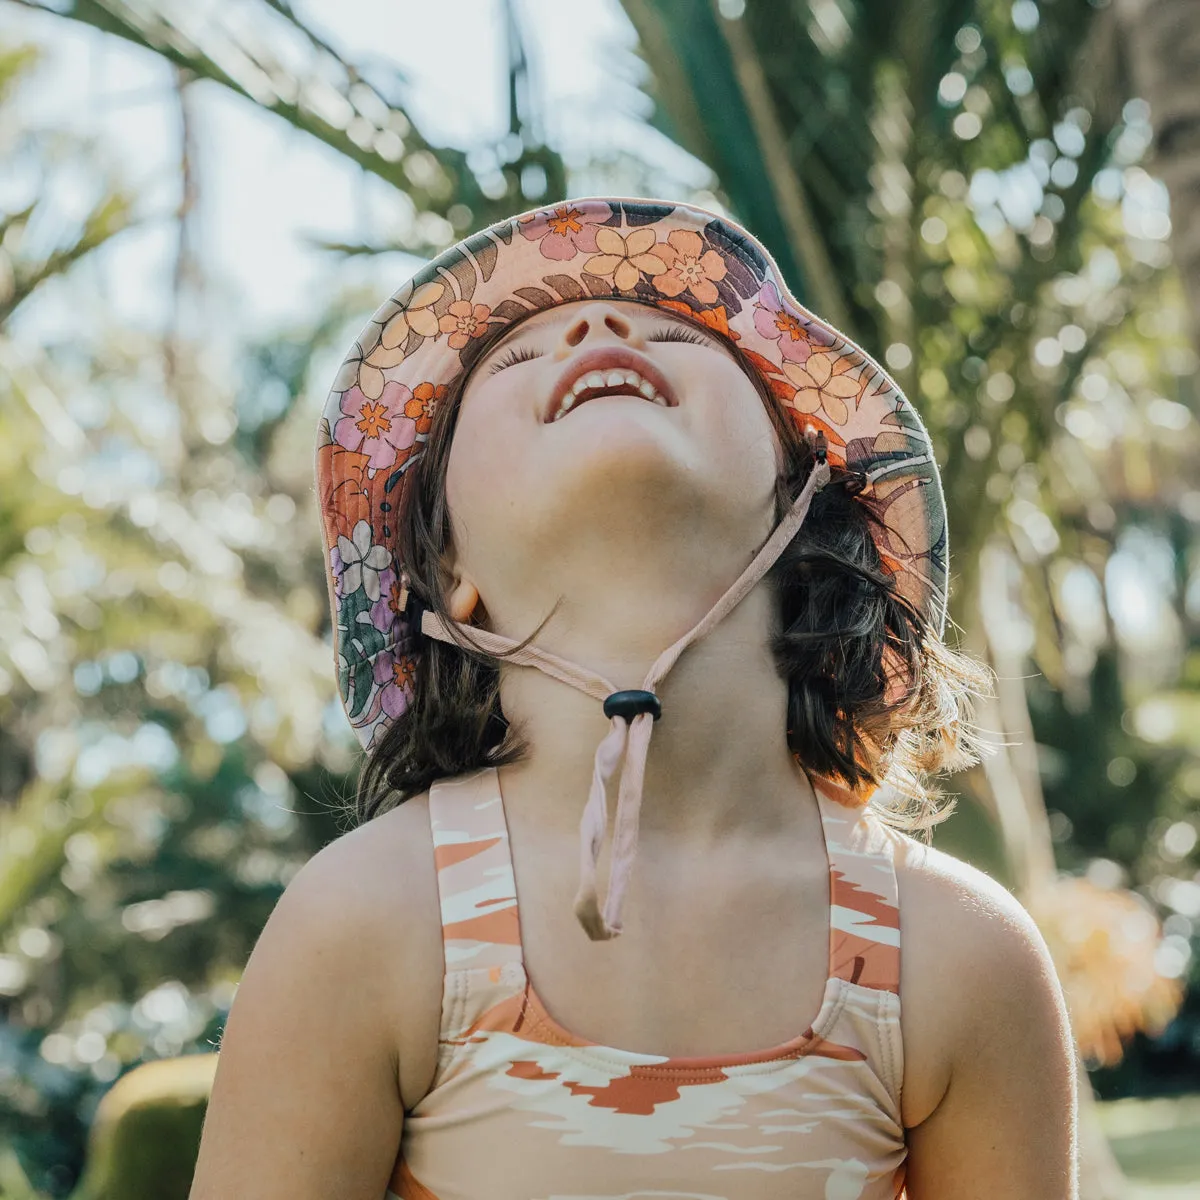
616,381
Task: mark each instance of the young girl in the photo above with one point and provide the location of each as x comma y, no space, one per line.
622,537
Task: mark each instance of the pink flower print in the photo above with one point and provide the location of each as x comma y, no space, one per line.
774,321
394,673
361,562
378,427
819,385
690,268
464,321
563,232
624,258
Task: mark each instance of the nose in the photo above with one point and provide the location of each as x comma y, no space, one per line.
596,320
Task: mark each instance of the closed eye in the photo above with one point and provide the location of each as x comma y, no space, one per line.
514,355
669,333
674,333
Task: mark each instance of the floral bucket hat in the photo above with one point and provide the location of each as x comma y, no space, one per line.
674,256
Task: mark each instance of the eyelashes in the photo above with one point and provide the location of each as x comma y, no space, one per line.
672,333
512,356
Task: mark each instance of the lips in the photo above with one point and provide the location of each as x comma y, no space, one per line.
603,360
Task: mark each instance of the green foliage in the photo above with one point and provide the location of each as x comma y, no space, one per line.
171,746
964,196
960,187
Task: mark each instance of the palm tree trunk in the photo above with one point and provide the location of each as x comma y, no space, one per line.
808,242
1162,40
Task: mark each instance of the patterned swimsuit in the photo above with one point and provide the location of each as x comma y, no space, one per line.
522,1109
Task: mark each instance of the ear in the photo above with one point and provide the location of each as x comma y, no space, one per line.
463,598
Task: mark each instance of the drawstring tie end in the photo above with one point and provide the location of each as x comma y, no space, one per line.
627,744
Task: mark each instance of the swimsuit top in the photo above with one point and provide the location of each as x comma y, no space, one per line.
522,1109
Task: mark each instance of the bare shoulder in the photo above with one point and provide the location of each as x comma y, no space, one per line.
952,891
989,1053
387,861
371,894
384,871
968,947
334,1021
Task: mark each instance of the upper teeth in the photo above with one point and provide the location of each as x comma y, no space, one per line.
599,379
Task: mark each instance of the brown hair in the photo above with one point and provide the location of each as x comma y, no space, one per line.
873,692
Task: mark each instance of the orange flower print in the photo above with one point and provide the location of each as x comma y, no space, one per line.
373,421
425,399
819,385
790,325
396,597
718,319
394,675
463,321
564,220
624,258
715,318
404,670
342,480
690,268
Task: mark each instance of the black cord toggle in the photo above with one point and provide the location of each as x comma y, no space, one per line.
629,704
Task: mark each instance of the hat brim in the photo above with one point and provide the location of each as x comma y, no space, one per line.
675,256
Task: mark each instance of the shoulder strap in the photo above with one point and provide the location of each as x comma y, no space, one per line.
480,925
864,917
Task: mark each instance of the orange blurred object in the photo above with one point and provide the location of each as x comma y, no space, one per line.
1104,942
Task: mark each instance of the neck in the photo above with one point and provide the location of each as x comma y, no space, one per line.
719,761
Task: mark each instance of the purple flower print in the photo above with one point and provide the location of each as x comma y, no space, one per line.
394,672
563,231
774,321
377,428
386,610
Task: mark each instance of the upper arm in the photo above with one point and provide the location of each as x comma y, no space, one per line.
305,1102
1005,1128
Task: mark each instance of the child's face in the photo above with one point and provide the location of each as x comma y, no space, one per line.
526,490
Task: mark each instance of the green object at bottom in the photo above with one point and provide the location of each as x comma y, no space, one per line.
146,1135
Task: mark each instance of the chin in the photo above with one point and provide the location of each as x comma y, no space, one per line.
631,454
631,493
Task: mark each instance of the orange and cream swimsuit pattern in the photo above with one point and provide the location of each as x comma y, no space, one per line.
522,1109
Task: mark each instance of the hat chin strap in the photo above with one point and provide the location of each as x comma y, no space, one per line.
629,737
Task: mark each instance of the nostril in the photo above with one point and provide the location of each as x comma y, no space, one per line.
579,330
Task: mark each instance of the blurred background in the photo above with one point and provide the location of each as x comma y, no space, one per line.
201,202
